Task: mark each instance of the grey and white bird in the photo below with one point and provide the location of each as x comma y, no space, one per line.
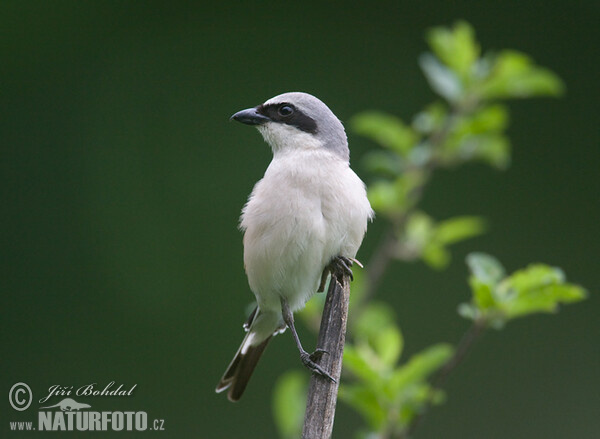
309,211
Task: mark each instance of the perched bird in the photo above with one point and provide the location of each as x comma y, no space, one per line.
308,214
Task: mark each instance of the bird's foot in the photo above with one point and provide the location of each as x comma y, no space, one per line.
341,265
309,361
338,267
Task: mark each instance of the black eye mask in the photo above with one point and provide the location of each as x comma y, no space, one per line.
281,113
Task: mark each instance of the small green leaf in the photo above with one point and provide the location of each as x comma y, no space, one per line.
379,341
497,298
456,47
479,137
514,75
468,311
419,229
385,163
377,316
436,256
365,400
493,118
441,79
388,345
387,196
361,363
534,276
487,269
289,402
458,229
544,299
385,129
420,366
430,119
537,288
483,295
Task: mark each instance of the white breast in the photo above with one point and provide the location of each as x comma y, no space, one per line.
308,208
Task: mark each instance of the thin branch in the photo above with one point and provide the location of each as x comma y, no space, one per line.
467,342
465,345
389,247
322,393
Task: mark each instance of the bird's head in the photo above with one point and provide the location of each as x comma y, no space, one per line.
297,121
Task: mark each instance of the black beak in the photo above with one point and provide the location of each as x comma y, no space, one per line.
250,117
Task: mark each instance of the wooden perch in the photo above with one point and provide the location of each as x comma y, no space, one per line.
322,393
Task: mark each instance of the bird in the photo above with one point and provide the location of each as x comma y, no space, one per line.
305,217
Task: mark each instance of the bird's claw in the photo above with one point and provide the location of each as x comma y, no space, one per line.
339,266
318,354
309,361
342,265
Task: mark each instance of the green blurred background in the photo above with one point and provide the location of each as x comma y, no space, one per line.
123,181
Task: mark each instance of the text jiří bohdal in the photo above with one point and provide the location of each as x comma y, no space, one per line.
92,389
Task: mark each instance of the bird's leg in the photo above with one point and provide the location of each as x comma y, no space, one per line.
309,360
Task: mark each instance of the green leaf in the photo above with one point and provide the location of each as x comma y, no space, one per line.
537,288
468,311
289,402
498,298
388,345
457,47
366,401
544,299
492,118
376,327
393,197
436,256
360,362
420,366
385,163
485,268
430,119
419,229
441,79
458,229
514,75
387,196
377,316
385,129
433,238
534,276
483,295
479,137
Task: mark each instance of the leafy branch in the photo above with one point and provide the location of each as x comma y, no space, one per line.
467,124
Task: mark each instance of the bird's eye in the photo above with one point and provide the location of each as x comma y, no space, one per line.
285,110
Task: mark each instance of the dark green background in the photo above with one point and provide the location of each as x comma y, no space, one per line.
122,183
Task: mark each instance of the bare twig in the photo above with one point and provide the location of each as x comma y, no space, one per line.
322,393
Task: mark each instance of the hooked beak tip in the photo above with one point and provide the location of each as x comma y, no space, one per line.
250,116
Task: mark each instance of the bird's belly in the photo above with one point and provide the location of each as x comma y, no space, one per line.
285,253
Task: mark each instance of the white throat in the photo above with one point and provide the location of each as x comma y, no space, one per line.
285,138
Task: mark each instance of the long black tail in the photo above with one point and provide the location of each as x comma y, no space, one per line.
240,369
